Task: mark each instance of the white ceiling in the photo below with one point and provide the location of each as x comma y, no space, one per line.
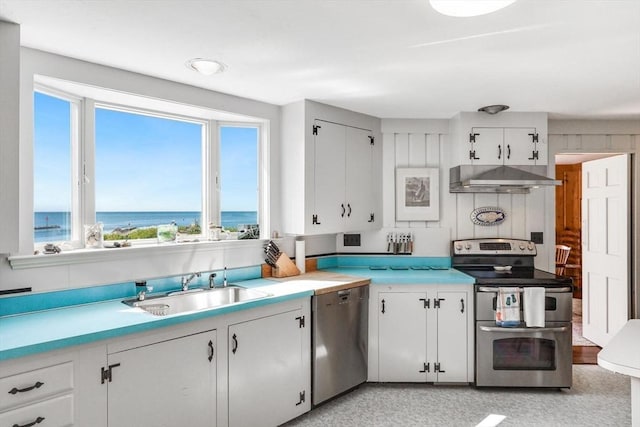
387,58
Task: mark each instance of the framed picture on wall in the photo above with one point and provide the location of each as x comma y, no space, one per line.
417,194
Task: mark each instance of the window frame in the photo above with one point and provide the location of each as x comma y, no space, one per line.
76,146
84,164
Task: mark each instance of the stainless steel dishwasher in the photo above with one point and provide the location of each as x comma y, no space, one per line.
340,339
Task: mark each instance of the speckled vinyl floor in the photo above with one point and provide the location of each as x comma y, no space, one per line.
597,398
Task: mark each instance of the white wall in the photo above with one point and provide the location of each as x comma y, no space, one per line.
429,143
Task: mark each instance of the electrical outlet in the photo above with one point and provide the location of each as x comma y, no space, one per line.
352,240
537,238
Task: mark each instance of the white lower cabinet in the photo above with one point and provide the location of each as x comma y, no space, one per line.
269,369
181,375
421,333
165,384
57,389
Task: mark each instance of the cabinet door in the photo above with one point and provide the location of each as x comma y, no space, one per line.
487,146
520,146
329,177
266,374
452,336
171,383
402,337
359,180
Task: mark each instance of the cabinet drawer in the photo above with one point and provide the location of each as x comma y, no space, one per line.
56,412
35,385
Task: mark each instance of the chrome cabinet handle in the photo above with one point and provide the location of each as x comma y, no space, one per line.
344,210
349,206
382,306
499,152
461,305
508,151
16,390
34,422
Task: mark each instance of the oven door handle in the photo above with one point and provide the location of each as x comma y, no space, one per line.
547,290
522,330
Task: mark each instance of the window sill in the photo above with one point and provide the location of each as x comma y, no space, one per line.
85,256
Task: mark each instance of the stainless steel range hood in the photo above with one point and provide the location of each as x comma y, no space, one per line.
498,179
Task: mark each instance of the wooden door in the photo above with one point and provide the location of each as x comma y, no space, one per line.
605,226
569,219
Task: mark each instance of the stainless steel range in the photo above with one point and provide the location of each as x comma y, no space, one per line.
518,356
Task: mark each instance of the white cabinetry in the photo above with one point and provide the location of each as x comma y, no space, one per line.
54,389
269,369
506,146
168,383
331,160
9,135
343,178
510,138
421,333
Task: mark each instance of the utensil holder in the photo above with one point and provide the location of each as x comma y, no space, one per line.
285,267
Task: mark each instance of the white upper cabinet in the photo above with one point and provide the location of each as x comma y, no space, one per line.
505,146
516,139
9,135
331,162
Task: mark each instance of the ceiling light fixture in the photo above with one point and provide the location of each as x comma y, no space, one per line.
466,8
204,66
493,109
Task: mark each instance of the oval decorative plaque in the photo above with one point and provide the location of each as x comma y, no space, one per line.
488,216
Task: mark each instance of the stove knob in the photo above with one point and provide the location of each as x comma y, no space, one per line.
458,247
522,246
530,246
467,246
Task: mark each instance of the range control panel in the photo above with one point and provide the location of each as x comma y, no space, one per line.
493,247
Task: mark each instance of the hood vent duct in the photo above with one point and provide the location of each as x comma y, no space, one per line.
498,179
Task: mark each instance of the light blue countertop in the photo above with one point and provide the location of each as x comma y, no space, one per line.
35,332
406,277
31,333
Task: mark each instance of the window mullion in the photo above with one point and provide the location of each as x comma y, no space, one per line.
87,199
213,173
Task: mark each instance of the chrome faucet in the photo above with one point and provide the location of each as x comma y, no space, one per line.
142,288
224,278
186,280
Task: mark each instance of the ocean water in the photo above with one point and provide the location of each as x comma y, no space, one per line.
112,220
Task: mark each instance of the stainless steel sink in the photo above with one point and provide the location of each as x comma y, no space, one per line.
185,302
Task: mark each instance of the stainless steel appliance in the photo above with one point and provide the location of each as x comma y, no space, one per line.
516,356
340,339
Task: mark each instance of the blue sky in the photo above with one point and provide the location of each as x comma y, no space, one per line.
143,163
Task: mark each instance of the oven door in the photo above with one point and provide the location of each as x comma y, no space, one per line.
523,357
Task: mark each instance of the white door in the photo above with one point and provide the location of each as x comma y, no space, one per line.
487,146
402,337
168,384
359,180
519,146
452,336
329,177
605,247
266,371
